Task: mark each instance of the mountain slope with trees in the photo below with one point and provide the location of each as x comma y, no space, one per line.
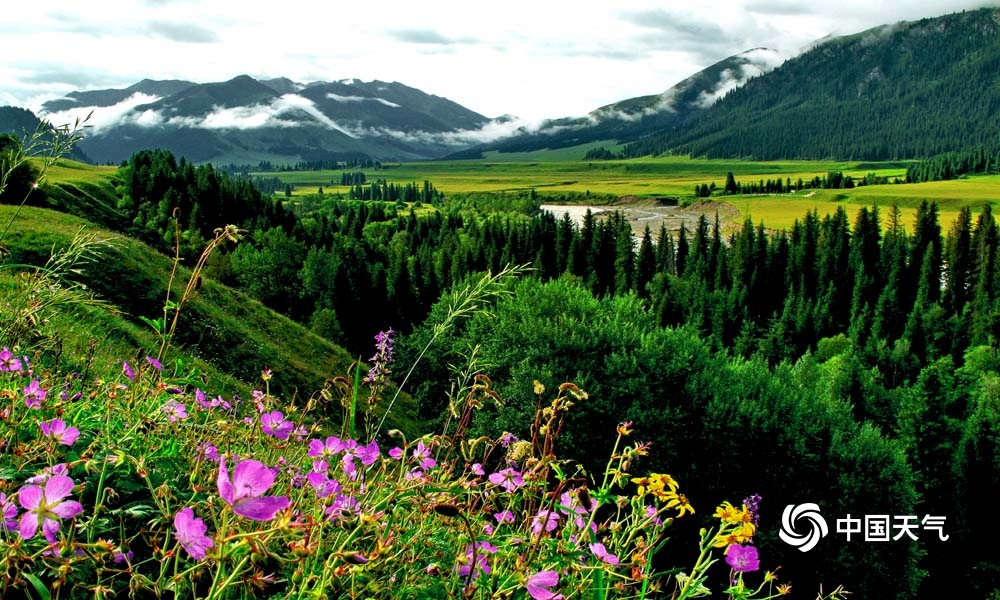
908,90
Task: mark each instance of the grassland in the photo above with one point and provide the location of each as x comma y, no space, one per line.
553,178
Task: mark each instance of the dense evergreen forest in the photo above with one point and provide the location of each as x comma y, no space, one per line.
850,361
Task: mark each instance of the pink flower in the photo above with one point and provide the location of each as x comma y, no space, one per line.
9,362
245,492
57,430
331,447
538,585
742,558
46,506
175,411
34,394
190,532
8,513
274,424
602,553
422,454
508,479
545,520
127,370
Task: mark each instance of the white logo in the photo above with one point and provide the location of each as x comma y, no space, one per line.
808,512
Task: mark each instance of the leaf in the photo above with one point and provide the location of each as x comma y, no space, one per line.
40,587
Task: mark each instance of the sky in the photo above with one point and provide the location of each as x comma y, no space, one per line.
535,59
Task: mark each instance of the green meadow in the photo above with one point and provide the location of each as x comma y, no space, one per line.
555,178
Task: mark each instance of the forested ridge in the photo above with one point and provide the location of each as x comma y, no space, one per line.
902,91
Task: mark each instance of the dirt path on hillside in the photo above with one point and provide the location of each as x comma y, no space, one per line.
641,212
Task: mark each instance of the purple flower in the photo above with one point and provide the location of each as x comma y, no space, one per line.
538,585
753,507
127,370
570,505
743,559
505,516
57,430
477,469
507,439
508,478
331,447
382,359
174,410
245,491
465,567
396,453
343,507
46,506
156,364
34,394
9,362
190,532
48,473
651,513
274,424
8,511
602,553
422,454
545,520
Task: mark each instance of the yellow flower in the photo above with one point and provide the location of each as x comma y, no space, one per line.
681,503
784,589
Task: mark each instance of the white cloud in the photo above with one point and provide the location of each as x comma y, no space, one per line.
340,98
101,117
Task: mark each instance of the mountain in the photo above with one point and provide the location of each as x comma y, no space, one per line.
245,120
908,90
22,122
635,118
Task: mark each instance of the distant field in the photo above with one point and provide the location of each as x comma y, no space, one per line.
645,178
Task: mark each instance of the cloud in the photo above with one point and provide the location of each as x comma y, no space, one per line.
183,32
794,8
340,98
420,36
101,117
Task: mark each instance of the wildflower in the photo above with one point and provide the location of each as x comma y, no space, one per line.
382,359
740,535
422,454
465,567
508,478
538,585
602,553
742,559
571,506
505,516
651,513
477,469
507,439
190,532
127,370
156,364
9,362
245,491
343,507
48,473
207,451
545,520
660,485
680,502
624,428
331,447
396,453
752,506
34,394
46,506
57,430
275,424
728,513
175,411
8,512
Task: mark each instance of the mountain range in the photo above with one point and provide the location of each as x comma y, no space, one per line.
905,90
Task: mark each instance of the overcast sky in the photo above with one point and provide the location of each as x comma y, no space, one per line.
531,58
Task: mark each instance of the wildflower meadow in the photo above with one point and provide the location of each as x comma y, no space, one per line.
145,481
